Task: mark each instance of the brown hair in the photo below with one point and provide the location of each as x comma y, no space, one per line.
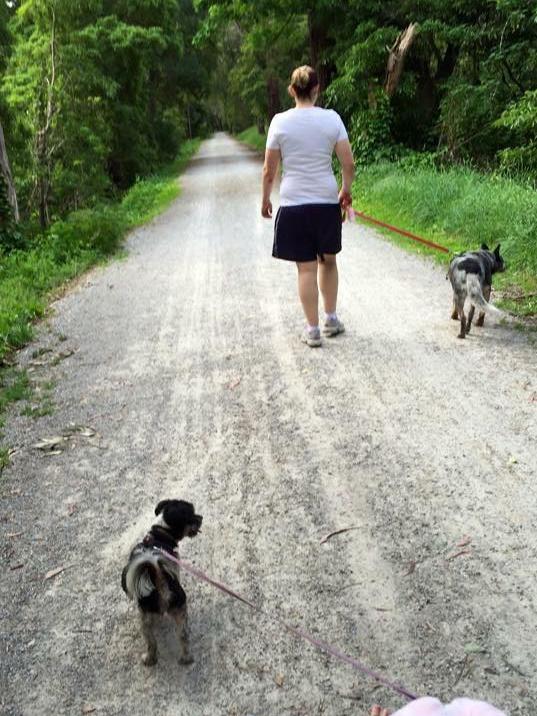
303,81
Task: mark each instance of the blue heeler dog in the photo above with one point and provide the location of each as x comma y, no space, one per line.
471,276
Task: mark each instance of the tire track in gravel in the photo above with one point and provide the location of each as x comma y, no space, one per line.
188,365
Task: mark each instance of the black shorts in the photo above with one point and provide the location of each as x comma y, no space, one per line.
307,231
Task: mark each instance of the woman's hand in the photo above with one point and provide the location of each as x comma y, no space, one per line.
266,209
272,161
345,199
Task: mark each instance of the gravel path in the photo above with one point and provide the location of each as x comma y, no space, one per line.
188,366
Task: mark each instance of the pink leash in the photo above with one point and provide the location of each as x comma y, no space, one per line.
321,645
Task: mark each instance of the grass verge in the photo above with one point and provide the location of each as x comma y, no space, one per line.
71,246
253,138
74,244
459,208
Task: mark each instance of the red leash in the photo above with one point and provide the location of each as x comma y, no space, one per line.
321,645
408,234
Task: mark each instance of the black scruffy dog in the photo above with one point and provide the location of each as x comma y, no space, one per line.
153,580
471,276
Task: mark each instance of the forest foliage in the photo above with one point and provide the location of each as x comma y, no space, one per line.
468,90
95,95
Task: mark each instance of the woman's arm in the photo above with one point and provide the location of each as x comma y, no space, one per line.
270,168
344,154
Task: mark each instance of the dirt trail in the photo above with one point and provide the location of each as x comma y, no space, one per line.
188,366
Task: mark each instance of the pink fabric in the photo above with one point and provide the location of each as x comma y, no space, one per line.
460,707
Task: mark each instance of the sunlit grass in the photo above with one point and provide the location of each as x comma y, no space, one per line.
460,209
254,138
73,245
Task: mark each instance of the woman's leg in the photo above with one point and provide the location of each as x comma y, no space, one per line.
328,282
308,291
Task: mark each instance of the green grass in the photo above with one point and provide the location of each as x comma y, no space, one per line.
72,245
40,402
459,208
29,278
14,387
253,138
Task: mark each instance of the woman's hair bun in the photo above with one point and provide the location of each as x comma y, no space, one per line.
303,81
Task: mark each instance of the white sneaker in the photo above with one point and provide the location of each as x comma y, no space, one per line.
333,326
311,337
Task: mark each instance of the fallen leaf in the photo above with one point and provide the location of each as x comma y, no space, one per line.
88,709
66,354
71,508
337,532
473,648
13,534
411,568
233,384
54,573
279,679
382,609
73,429
87,432
16,566
47,444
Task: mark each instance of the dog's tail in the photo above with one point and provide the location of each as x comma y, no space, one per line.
139,576
475,294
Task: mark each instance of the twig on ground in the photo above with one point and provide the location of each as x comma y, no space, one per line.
458,554
337,532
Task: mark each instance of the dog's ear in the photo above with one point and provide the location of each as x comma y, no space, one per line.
161,505
497,251
484,247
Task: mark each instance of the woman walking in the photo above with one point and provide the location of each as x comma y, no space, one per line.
307,229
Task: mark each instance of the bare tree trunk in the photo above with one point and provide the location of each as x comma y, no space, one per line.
43,152
396,58
189,120
6,172
273,96
318,41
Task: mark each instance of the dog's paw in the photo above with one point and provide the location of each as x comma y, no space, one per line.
186,660
149,659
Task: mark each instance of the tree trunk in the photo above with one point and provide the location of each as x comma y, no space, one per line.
273,96
318,41
43,150
396,58
6,172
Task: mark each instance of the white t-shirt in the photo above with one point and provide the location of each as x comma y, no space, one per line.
306,138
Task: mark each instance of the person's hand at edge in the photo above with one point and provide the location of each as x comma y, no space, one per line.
266,209
345,199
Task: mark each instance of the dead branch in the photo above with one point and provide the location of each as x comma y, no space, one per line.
396,58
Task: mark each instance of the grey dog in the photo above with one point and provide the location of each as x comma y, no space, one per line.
471,276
